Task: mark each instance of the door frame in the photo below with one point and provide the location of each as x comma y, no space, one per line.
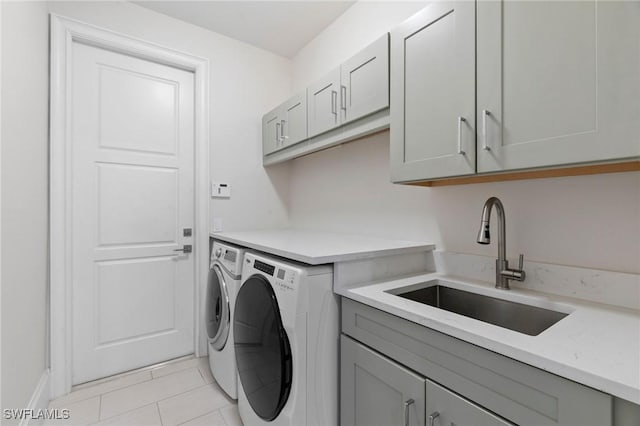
64,32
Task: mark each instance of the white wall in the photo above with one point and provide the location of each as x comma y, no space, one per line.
589,221
245,82
24,169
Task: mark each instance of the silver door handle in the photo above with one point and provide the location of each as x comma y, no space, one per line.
187,248
460,121
343,97
282,129
407,403
277,133
334,102
432,418
485,145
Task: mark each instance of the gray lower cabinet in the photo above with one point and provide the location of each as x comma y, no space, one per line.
446,408
377,391
384,357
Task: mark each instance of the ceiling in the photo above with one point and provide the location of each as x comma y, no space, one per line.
282,27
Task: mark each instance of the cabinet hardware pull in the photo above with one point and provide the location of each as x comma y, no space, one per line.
283,137
277,133
432,418
485,145
407,403
343,97
460,121
334,103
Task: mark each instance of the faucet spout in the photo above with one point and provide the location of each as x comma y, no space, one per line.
503,273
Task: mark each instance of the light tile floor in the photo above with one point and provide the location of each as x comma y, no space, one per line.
178,393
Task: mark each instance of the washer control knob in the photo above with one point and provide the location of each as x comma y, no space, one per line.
218,252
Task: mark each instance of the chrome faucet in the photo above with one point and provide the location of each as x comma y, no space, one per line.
503,273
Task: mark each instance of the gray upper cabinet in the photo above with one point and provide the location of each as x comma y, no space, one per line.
285,125
294,120
364,81
376,391
323,104
433,93
558,82
271,135
350,102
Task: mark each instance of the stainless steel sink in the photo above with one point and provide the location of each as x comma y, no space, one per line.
515,316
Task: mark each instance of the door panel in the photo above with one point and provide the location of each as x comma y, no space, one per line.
131,194
136,192
295,120
433,93
365,81
271,133
374,389
323,104
556,96
126,94
452,409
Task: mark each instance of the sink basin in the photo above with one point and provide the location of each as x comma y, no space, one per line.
519,317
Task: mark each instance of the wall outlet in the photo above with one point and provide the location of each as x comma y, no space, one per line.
217,224
220,190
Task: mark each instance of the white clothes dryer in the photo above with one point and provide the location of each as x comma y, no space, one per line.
222,287
286,333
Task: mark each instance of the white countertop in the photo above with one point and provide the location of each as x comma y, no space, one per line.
596,345
316,248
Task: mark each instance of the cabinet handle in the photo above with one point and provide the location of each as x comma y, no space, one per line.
432,418
334,102
407,403
485,145
460,121
343,97
277,133
283,137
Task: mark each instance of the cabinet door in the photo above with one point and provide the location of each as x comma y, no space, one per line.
448,408
365,81
271,132
294,120
376,391
433,93
558,82
322,98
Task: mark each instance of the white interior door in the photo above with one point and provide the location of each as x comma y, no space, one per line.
132,177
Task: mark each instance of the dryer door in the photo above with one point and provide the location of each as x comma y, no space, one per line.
263,353
218,312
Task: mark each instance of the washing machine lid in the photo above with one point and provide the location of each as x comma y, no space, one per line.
218,310
263,352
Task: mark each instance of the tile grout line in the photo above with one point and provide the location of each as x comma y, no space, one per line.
104,393
202,415
159,413
160,400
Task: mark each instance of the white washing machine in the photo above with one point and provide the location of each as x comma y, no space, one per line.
222,287
286,333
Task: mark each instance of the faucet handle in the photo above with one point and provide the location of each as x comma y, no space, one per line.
521,262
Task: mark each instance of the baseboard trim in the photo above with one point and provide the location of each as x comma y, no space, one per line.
39,400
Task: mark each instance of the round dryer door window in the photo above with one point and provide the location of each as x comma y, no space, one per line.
263,353
218,313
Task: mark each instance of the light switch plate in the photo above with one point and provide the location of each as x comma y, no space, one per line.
217,224
220,190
